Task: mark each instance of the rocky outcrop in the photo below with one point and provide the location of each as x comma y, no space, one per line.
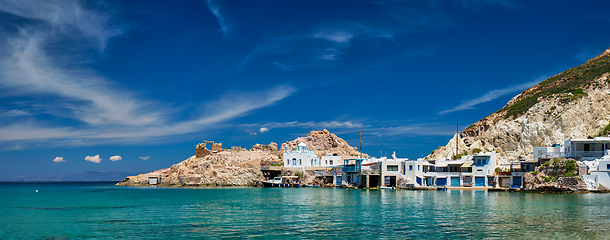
240,167
573,104
219,168
271,147
324,143
557,175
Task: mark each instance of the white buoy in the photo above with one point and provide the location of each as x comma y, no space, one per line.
36,190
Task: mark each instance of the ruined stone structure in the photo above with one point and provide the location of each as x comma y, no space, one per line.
201,149
271,147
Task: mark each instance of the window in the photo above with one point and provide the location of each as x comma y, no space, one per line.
331,162
607,166
410,167
392,167
300,162
287,161
417,167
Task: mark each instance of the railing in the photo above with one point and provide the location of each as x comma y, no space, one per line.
349,169
596,154
327,173
572,154
370,171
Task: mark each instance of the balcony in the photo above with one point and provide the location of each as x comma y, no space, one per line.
350,169
370,172
327,173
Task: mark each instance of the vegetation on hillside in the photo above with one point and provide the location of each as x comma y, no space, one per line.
569,85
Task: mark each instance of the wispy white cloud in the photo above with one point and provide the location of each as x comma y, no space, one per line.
491,95
145,158
264,130
105,112
316,48
215,9
115,158
283,66
93,159
59,159
66,17
15,113
311,124
92,99
229,106
338,36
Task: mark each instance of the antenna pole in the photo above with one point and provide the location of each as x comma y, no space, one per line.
360,144
457,136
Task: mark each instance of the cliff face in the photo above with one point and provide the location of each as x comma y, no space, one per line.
572,104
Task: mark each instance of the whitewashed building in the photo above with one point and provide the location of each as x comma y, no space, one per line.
302,157
331,161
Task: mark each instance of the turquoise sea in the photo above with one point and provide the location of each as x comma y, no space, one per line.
100,210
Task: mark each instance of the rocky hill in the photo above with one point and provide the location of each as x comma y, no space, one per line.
324,143
237,166
572,104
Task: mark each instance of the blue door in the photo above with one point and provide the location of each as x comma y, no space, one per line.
339,180
516,182
479,181
455,181
429,181
441,181
418,180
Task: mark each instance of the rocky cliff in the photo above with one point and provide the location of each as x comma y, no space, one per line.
557,175
324,143
572,104
237,167
218,168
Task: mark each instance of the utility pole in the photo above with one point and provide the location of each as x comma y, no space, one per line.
360,156
457,136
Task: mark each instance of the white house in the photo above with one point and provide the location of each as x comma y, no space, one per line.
331,161
586,149
302,157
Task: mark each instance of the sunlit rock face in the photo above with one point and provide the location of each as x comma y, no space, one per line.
572,104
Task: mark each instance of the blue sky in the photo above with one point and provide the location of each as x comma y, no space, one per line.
139,83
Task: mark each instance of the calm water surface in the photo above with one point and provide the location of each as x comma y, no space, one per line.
104,211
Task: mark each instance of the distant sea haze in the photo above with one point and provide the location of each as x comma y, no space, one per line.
85,176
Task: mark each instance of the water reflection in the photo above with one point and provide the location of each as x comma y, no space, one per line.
303,213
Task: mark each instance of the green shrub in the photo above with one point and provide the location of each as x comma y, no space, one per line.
476,151
556,160
546,164
534,173
547,179
573,81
